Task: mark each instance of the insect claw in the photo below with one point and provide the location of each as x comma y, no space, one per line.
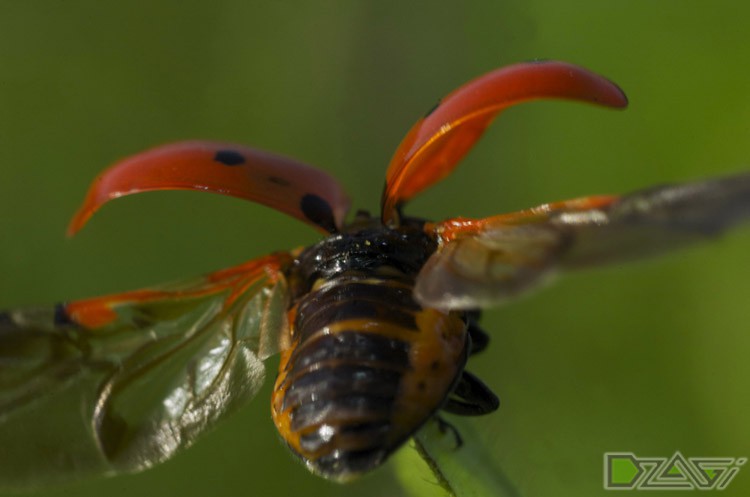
445,427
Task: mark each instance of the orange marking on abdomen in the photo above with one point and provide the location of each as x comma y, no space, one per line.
351,390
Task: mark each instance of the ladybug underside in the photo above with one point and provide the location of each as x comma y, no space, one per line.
368,365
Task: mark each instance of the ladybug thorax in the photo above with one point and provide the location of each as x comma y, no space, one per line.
365,248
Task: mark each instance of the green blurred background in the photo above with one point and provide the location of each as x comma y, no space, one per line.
649,358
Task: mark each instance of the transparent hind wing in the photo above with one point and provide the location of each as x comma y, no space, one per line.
488,268
485,262
655,220
120,383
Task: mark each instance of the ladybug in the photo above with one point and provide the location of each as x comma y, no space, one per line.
374,323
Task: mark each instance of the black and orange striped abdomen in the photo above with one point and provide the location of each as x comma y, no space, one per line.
368,366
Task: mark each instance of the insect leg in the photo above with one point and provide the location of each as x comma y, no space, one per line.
479,338
445,427
471,397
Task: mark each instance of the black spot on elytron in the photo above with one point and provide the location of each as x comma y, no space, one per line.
278,181
432,109
61,317
421,386
435,365
318,211
229,157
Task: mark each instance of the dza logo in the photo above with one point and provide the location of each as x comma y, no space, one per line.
625,471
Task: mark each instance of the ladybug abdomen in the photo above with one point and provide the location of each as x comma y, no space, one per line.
367,368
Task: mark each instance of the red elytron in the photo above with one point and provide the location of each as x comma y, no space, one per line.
374,323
